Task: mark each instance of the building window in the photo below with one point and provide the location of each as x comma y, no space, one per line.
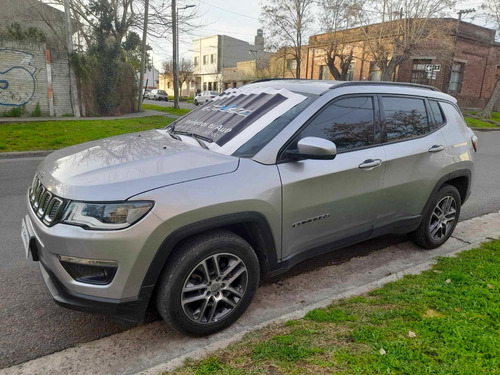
375,72
323,72
418,72
168,84
350,72
212,58
196,61
291,64
204,86
205,59
456,77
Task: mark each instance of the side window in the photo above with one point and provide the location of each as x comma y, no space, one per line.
438,114
348,122
404,118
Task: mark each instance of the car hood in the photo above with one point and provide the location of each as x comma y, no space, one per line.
119,167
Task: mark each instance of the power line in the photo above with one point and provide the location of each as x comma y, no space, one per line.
229,11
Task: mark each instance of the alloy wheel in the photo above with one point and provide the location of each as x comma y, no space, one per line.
214,288
443,218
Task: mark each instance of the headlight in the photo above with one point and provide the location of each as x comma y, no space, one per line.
114,215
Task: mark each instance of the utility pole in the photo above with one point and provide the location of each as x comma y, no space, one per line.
175,39
174,62
69,47
143,54
455,40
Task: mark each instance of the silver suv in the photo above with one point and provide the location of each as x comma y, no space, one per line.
190,217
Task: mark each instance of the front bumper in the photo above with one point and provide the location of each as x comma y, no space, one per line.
130,311
127,296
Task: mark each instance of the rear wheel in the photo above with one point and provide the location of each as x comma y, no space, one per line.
440,219
209,284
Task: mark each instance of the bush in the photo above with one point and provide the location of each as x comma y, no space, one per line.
36,112
15,112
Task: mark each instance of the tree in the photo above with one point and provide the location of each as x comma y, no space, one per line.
132,51
491,9
185,71
336,16
407,25
288,23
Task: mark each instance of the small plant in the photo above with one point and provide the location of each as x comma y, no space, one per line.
36,112
15,112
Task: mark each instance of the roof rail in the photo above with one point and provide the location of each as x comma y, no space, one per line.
384,83
278,79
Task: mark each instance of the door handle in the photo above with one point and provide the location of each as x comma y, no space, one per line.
436,148
370,164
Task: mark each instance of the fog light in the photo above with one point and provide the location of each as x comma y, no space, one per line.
90,271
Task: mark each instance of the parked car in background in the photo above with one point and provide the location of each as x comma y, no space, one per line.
145,92
191,216
205,97
157,94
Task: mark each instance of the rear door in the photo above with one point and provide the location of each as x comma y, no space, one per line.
415,149
329,200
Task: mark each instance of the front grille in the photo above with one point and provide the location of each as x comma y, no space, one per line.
46,205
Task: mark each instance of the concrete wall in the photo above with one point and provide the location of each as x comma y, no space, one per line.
24,82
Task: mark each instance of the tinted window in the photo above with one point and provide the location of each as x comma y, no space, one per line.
437,112
404,118
347,122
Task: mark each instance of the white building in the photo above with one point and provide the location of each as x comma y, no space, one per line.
151,78
214,53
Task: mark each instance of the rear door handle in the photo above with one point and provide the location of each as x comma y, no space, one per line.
436,148
370,164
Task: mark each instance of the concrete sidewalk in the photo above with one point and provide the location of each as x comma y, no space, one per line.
148,112
154,347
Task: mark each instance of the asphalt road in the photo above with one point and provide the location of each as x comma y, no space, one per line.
31,325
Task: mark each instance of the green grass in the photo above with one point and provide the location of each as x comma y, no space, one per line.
51,135
475,122
171,110
443,321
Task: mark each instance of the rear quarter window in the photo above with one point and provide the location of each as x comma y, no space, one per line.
437,113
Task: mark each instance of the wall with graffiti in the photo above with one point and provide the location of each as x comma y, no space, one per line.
24,82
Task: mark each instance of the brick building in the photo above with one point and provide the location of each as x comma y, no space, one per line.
475,56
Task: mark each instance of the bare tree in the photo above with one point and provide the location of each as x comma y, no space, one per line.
288,23
491,9
407,26
185,71
337,16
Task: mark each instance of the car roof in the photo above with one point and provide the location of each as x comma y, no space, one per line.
319,87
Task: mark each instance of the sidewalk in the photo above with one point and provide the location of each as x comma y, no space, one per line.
154,347
9,120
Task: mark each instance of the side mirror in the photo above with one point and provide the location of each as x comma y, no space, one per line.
314,148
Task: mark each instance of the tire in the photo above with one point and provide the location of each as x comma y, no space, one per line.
440,219
213,304
195,102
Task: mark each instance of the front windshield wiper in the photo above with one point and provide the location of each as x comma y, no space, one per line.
193,135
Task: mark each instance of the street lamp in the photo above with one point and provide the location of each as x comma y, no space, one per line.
175,35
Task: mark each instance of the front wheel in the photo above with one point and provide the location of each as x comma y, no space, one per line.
208,284
440,219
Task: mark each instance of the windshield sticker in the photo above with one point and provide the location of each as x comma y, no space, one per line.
232,112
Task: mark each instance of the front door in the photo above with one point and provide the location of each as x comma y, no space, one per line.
330,200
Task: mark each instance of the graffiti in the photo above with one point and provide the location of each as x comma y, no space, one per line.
17,77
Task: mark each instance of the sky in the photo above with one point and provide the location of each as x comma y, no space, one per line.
237,18
240,19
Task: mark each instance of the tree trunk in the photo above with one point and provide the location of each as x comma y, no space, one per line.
495,97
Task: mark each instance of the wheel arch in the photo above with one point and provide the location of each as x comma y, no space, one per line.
251,226
461,179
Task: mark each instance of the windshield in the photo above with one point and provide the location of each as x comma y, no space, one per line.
236,115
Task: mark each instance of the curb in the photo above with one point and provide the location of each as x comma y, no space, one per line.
485,129
24,154
299,314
